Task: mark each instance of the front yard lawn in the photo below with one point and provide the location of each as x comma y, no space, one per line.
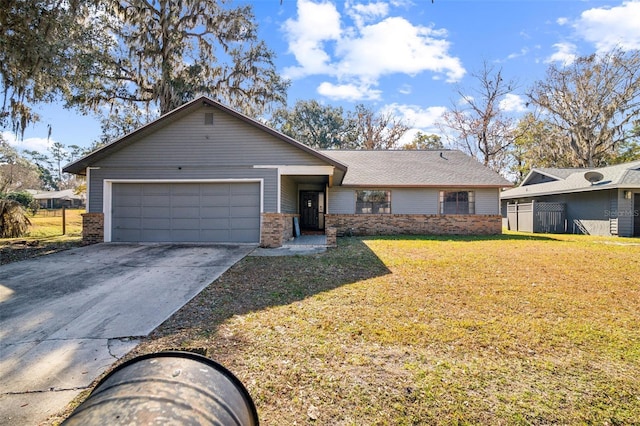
510,329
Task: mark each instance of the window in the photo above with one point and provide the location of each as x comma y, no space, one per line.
373,202
457,202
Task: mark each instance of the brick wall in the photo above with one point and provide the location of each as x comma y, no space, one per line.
331,234
400,224
92,228
276,229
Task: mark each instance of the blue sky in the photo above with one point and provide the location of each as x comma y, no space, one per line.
409,57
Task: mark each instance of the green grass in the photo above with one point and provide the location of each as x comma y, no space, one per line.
44,237
514,329
48,226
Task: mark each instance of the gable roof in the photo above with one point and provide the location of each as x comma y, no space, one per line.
625,175
65,194
546,174
422,168
79,167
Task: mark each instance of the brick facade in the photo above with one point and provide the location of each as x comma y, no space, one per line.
331,235
92,228
399,224
276,229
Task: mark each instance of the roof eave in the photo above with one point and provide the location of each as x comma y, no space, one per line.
569,191
430,185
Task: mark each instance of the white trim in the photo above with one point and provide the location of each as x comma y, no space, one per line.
278,191
326,201
299,170
107,195
107,209
282,170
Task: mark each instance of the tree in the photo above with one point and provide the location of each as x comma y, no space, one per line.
135,54
45,46
169,51
592,103
16,172
537,144
424,141
315,125
329,127
370,130
478,125
23,197
44,166
13,219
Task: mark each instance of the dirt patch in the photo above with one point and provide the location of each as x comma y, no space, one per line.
16,251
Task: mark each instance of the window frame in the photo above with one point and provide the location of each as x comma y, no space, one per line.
470,202
377,205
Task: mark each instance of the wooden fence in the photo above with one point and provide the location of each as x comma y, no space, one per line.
537,217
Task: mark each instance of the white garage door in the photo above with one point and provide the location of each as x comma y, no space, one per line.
186,212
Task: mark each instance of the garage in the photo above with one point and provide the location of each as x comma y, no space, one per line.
186,212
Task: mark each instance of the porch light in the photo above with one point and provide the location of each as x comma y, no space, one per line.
627,195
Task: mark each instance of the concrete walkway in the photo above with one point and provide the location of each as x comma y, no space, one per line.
299,246
67,317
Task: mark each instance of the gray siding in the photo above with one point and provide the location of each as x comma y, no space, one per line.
191,144
341,200
288,195
189,149
413,200
592,210
625,214
487,201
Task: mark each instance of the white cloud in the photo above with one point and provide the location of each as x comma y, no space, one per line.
348,92
394,45
317,24
513,103
375,45
41,145
608,28
405,89
562,21
362,13
565,53
421,118
515,55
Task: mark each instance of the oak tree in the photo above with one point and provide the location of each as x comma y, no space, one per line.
592,104
318,126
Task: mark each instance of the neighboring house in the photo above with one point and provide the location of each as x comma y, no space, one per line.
596,201
58,199
205,172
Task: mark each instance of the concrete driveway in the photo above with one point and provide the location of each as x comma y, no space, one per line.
65,318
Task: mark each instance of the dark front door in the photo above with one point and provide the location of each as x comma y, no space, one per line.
636,215
309,210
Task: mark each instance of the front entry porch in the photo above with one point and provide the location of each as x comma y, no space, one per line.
277,230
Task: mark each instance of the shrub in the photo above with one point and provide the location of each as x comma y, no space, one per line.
13,219
22,197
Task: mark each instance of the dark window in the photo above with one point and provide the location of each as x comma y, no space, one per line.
373,202
457,202
208,118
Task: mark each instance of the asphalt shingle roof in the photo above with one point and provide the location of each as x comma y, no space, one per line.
625,175
435,168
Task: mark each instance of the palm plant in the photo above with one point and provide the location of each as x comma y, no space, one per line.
13,219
